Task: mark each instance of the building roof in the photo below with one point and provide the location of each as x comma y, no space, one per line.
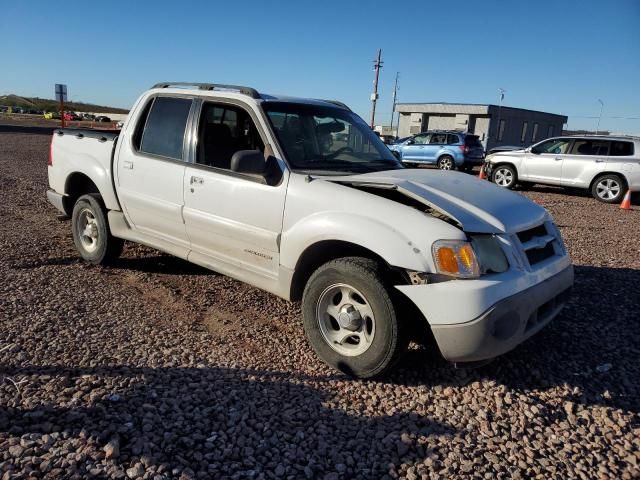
462,108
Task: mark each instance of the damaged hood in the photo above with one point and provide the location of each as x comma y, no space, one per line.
477,205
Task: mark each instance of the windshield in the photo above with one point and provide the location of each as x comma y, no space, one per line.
327,139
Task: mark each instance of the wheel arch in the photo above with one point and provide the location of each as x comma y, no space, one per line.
76,185
324,251
605,173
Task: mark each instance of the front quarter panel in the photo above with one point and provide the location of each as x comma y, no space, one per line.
320,210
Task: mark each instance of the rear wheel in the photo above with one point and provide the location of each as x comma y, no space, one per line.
504,176
446,162
350,320
91,234
609,189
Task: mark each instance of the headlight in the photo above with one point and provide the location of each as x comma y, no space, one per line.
489,253
455,258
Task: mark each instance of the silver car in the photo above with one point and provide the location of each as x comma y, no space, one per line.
606,165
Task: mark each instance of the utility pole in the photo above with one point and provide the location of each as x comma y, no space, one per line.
600,116
502,92
377,65
395,93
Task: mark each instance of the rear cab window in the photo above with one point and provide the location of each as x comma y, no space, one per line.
621,149
472,141
438,139
590,147
164,127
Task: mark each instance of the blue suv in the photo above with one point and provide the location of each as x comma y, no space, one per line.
449,150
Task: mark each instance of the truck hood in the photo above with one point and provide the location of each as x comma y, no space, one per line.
477,205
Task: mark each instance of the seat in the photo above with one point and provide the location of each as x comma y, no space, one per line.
219,145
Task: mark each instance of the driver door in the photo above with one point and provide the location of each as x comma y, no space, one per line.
416,150
543,162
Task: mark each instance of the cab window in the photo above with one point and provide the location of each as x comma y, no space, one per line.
223,130
438,139
557,146
421,139
590,147
163,132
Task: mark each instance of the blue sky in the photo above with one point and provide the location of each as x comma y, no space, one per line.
551,55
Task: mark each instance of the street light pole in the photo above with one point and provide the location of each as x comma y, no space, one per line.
600,116
502,92
393,108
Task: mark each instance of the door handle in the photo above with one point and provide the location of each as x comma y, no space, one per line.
197,180
127,164
557,159
599,161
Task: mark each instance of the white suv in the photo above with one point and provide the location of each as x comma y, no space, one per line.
606,165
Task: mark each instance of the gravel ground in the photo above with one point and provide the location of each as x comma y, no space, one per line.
155,368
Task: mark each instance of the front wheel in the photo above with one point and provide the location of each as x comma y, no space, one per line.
91,234
505,176
446,162
609,189
350,319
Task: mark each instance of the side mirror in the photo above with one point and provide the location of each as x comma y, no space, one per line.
248,161
410,142
534,150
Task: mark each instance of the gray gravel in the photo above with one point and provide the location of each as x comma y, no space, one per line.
155,368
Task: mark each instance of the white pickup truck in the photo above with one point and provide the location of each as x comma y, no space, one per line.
300,198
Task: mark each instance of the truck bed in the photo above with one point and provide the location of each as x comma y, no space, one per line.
83,152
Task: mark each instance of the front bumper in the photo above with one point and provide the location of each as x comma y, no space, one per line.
505,324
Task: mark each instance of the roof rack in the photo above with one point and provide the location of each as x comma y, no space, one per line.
252,92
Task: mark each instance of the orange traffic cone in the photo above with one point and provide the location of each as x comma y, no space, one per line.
481,175
626,201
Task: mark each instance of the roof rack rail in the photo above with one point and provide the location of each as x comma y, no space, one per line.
338,103
252,92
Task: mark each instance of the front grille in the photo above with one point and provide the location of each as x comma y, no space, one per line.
526,235
537,244
537,255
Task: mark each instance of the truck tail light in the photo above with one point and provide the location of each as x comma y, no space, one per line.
50,161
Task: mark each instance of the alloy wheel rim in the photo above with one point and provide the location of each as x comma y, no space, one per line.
504,177
88,230
608,189
446,164
346,320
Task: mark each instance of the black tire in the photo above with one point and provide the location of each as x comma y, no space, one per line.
499,177
609,188
100,247
390,337
446,162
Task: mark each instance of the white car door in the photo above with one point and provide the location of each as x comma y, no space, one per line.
233,221
585,160
543,162
151,168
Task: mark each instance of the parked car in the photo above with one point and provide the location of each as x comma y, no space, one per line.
504,148
606,165
374,251
448,150
119,124
71,117
102,118
51,115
